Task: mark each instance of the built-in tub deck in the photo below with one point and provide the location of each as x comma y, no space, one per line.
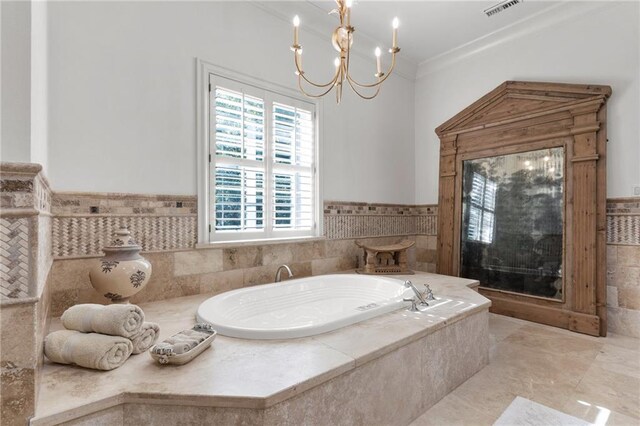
411,358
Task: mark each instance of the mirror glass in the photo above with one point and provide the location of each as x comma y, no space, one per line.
512,225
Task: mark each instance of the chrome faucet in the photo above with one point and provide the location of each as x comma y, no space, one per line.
409,284
279,271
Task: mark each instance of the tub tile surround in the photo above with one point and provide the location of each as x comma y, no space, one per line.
212,271
165,227
623,266
328,377
593,378
25,261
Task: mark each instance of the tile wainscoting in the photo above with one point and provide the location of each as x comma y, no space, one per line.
25,230
623,266
83,223
25,261
49,240
196,271
165,226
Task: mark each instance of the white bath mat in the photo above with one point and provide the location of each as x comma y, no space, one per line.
523,412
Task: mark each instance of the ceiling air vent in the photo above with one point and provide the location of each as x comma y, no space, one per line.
501,6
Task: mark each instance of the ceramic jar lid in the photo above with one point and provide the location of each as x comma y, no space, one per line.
122,241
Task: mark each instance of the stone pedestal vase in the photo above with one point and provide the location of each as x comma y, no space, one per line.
122,272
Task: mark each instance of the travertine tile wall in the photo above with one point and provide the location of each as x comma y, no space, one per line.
83,223
183,273
623,266
166,228
25,230
356,220
25,261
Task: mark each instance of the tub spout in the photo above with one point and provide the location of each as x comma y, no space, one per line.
409,284
279,271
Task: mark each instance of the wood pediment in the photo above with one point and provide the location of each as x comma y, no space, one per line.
521,100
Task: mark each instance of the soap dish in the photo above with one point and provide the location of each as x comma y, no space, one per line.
178,349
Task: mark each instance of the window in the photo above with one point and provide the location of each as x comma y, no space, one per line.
262,163
482,209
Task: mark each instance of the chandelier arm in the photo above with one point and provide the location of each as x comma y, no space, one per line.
301,74
364,96
309,94
380,81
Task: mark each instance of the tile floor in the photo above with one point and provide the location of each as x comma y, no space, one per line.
595,379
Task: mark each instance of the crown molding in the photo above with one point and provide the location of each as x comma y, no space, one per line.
318,24
537,22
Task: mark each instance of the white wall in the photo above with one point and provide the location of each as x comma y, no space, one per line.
16,85
597,44
39,88
24,82
122,98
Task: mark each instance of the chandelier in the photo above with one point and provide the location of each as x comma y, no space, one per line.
342,39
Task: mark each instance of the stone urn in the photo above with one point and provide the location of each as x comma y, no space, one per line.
122,272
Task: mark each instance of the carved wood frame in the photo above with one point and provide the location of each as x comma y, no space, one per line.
526,116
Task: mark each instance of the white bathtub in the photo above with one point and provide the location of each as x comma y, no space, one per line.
302,307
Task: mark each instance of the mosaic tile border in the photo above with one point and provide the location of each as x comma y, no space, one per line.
623,229
91,203
623,221
361,225
84,222
78,236
344,219
15,256
165,222
25,235
629,205
355,208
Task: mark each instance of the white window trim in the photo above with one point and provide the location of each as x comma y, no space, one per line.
205,68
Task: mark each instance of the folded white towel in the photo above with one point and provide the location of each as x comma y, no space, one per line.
116,320
90,350
146,337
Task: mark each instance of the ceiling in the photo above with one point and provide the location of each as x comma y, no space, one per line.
430,28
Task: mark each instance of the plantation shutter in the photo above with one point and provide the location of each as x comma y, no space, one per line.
262,176
239,172
293,194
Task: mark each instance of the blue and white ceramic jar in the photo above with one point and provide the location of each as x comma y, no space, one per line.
122,272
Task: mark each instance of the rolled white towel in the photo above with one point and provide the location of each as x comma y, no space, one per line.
116,320
90,350
196,334
146,337
180,348
191,343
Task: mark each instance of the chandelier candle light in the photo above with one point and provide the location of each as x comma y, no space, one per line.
342,39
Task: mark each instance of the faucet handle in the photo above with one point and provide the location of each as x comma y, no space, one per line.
429,292
414,306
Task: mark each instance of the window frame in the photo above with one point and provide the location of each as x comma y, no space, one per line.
207,73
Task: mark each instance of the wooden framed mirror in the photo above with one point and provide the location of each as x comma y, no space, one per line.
522,201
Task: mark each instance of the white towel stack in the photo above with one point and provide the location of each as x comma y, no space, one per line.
100,337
